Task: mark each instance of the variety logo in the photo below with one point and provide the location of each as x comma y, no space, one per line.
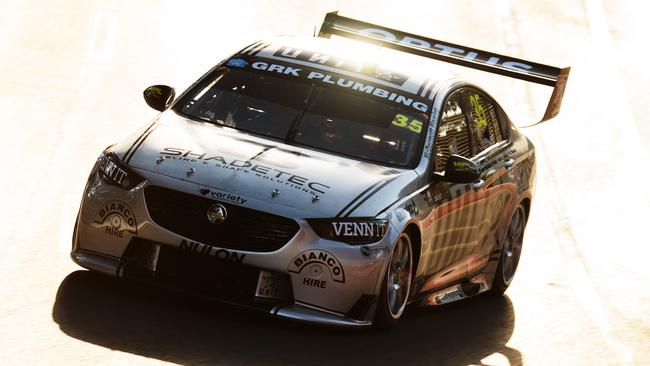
210,251
316,260
116,217
223,196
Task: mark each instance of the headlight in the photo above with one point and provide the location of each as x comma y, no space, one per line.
352,231
111,170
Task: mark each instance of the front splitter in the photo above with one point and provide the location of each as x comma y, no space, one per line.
304,314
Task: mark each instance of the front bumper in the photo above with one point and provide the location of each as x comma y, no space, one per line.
318,293
291,311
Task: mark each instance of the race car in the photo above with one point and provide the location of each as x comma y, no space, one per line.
332,181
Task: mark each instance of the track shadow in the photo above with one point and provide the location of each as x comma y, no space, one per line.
168,326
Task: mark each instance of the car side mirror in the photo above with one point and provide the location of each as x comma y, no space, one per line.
461,170
159,97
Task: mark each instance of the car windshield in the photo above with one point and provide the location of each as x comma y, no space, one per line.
310,115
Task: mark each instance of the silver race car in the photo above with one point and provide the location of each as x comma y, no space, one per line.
326,180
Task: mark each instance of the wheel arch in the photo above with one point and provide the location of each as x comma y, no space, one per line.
416,241
523,200
526,203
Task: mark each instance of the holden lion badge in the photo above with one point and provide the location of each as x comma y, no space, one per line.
217,214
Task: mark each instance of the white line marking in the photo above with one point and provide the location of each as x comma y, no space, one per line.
102,40
611,77
582,283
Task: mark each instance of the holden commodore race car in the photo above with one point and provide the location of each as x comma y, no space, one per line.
326,180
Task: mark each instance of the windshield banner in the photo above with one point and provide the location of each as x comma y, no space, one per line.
328,79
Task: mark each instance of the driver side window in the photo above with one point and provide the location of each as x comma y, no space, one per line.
453,134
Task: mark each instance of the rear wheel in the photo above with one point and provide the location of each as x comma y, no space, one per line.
396,286
510,252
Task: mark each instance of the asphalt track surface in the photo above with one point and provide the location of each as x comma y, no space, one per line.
71,78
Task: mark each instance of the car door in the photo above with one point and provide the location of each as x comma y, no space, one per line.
494,191
452,218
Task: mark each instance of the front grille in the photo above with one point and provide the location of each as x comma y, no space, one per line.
189,271
244,229
206,275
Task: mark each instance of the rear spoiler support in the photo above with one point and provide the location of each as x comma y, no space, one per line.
335,24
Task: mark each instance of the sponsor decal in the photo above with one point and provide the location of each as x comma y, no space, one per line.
248,167
154,91
357,229
236,62
115,218
112,170
223,196
428,144
280,69
193,247
449,50
314,282
315,260
391,77
313,279
480,115
342,82
319,58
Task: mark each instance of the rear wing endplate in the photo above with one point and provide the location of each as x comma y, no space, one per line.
335,24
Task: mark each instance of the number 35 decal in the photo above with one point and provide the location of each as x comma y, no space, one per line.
401,120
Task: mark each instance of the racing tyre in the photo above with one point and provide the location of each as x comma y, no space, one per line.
510,252
396,286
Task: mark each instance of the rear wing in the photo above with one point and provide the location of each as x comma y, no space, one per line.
335,24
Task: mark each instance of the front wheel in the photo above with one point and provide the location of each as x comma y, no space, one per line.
511,252
396,286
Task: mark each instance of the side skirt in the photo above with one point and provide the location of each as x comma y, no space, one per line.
460,291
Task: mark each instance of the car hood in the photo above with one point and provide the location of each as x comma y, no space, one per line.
239,168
